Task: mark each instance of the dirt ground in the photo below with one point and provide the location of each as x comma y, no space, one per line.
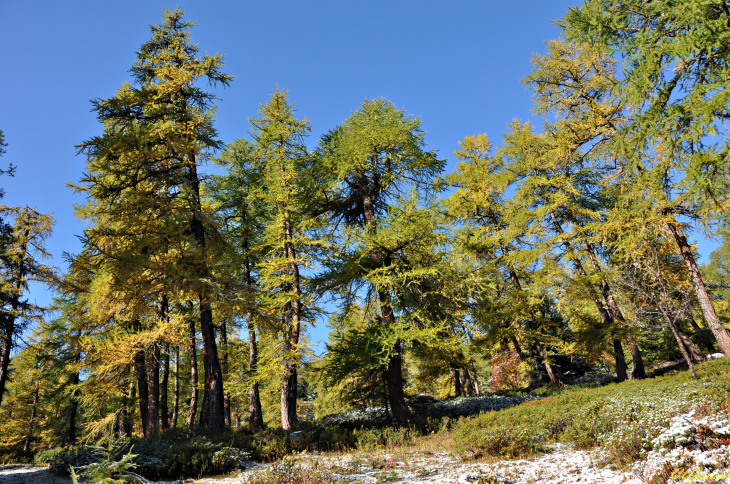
24,474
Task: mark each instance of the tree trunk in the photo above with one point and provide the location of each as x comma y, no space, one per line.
708,310
74,408
255,418
534,381
176,388
458,391
394,371
621,366
140,368
682,348
5,347
153,391
224,366
128,412
475,379
211,413
466,378
29,435
289,385
638,372
164,410
556,377
690,347
193,377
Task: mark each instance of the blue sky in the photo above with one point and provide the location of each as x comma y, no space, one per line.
457,64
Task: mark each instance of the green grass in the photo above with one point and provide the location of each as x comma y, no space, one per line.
623,418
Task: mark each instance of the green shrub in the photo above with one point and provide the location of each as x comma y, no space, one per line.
623,418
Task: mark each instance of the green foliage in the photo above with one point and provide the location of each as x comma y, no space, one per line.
109,465
622,418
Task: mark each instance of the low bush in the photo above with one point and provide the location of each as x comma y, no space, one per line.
623,418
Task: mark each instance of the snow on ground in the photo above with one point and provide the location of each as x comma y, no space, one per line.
25,474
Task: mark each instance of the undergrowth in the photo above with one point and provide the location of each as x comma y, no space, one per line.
622,418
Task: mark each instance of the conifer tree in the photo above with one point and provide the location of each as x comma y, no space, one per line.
244,222
21,263
143,172
376,156
279,149
675,61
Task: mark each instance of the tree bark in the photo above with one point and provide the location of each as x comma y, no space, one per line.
255,418
128,412
140,368
682,348
211,413
556,377
458,391
224,367
618,350
153,390
708,310
8,325
466,378
690,347
176,388
29,435
289,385
475,379
394,371
164,409
534,381
193,377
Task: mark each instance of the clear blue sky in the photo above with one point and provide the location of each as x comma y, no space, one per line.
457,64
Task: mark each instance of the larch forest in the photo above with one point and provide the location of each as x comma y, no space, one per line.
558,263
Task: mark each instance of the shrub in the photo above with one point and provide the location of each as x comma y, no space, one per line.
623,418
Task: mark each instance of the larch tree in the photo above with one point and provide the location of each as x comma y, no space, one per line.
279,150
244,221
675,60
143,182
377,157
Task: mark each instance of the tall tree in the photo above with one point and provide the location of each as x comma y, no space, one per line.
377,155
278,146
675,62
144,170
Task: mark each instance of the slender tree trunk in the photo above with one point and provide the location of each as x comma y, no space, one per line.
153,390
708,310
466,378
534,381
255,418
289,385
211,413
394,371
556,377
690,346
29,435
176,388
458,390
140,368
5,347
638,372
475,379
224,366
164,409
682,347
193,377
128,413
